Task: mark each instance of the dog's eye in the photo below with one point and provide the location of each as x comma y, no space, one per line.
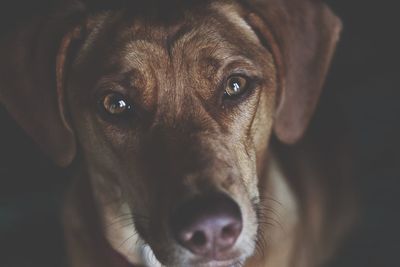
236,85
116,104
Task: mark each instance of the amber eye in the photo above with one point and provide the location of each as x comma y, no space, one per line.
116,104
236,86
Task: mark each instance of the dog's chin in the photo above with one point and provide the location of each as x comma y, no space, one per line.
236,258
220,263
231,262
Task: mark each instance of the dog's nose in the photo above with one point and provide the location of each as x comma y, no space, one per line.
208,226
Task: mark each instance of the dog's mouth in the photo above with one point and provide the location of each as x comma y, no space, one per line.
233,262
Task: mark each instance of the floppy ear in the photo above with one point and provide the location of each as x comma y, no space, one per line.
32,72
302,35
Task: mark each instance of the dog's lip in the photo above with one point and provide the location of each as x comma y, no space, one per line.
218,263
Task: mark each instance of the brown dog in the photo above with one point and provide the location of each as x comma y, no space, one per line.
165,113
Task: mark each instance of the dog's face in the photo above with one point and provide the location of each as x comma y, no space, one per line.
168,113
172,112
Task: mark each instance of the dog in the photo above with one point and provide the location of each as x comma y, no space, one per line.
165,113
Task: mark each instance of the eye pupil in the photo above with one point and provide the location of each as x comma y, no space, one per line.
236,86
121,104
115,104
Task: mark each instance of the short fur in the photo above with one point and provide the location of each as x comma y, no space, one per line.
184,139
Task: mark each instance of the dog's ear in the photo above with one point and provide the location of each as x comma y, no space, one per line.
32,72
302,36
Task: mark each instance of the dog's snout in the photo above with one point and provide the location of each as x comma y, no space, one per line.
208,226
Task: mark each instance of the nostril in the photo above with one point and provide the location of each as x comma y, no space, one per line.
228,235
228,231
199,239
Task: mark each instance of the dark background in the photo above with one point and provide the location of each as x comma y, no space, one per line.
362,91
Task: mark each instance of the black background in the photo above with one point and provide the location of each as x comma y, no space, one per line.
362,90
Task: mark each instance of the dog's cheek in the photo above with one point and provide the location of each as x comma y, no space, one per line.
262,127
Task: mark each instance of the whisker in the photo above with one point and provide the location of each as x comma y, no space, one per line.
134,234
118,221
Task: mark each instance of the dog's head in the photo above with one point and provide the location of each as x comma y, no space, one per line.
172,110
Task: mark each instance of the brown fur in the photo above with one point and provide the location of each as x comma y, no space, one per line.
184,138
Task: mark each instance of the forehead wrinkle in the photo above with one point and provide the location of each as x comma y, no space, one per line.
150,53
154,62
192,54
140,51
207,42
200,33
176,33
